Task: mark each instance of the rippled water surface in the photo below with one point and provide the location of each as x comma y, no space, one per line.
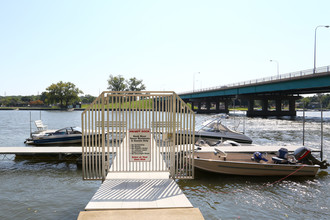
50,190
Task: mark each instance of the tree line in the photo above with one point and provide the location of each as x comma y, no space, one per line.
313,102
64,94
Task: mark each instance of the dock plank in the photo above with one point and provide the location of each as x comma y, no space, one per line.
39,150
146,214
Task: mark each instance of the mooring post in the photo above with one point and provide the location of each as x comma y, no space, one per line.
303,123
321,130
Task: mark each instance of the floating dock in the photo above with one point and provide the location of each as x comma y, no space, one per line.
146,214
78,150
40,150
134,190
43,153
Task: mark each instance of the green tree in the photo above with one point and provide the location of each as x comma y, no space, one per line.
133,84
11,101
116,83
87,99
64,93
44,98
26,99
306,101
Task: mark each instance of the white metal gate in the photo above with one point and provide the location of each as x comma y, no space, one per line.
138,131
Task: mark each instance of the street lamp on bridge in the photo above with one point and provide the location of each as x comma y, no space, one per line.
278,66
194,82
326,26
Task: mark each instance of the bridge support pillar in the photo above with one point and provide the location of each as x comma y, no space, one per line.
278,103
199,106
226,107
264,105
270,111
210,105
292,106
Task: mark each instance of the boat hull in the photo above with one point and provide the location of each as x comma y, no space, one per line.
76,139
255,169
214,137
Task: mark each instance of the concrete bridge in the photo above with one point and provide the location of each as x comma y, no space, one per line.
283,90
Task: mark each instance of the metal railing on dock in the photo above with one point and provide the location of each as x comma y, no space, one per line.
137,132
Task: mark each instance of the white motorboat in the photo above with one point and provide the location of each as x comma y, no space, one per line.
213,132
44,136
68,135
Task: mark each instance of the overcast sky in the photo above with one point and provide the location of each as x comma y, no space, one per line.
165,43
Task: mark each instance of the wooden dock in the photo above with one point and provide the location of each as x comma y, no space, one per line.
144,195
140,193
40,150
78,150
145,214
72,154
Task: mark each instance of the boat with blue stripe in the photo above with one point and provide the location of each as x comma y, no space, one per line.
68,135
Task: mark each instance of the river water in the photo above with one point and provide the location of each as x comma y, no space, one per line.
55,190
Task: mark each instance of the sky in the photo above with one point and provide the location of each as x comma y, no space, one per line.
172,45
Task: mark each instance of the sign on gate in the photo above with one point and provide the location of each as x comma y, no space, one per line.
139,145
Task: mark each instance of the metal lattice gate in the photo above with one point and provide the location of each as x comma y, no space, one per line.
138,132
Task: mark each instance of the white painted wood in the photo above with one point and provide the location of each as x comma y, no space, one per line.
40,150
116,114
138,175
138,194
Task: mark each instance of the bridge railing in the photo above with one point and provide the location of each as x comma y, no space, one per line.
265,79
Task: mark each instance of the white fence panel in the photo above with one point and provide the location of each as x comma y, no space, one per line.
138,132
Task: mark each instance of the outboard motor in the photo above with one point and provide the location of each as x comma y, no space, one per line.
257,156
304,155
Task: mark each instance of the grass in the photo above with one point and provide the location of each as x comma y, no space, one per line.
141,104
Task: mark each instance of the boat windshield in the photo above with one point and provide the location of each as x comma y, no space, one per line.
215,127
68,130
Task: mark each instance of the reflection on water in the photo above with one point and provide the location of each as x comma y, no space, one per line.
51,190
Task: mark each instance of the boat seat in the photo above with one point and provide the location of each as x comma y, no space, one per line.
279,160
281,156
40,126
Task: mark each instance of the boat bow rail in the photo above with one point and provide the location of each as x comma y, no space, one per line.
125,131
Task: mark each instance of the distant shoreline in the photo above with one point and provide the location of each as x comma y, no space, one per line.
83,109
38,109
